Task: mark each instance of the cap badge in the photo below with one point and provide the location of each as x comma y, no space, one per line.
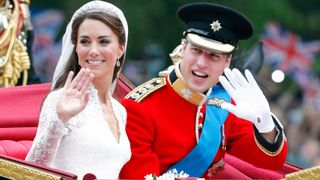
215,26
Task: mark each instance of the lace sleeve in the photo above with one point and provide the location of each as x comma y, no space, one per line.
49,134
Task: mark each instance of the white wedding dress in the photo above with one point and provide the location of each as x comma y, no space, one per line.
85,144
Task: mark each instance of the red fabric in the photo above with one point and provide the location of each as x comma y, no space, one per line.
123,87
161,133
289,168
15,149
231,172
18,133
247,169
19,114
20,105
18,119
27,144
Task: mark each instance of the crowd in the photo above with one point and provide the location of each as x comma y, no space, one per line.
302,129
299,116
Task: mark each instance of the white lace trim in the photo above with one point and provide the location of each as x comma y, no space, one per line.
49,134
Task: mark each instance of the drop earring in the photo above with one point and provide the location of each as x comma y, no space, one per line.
118,63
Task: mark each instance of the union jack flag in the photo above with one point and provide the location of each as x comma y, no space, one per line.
286,51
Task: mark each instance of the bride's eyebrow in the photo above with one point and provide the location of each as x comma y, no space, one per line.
99,37
104,36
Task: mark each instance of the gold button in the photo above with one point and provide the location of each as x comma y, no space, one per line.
201,115
200,126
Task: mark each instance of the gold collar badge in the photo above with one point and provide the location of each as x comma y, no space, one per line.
215,26
186,93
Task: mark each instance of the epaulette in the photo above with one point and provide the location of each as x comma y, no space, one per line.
142,91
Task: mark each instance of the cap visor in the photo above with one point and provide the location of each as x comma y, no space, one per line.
210,44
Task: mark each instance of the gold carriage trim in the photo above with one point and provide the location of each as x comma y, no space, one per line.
12,170
270,153
142,91
310,173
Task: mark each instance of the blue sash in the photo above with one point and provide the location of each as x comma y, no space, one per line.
200,158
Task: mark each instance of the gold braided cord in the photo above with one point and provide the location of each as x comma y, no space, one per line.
7,39
18,63
16,60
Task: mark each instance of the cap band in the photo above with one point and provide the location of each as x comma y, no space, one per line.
210,44
224,34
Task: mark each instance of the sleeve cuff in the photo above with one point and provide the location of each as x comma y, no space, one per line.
271,148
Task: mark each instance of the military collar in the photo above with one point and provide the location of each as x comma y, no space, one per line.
180,87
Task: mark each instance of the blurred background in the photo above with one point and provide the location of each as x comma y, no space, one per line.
290,67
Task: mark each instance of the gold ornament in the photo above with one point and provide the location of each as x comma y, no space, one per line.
14,59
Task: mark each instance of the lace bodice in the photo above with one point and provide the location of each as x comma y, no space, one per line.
85,144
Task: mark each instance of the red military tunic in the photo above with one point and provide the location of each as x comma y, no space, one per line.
163,127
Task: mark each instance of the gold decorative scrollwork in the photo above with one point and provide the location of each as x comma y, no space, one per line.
18,171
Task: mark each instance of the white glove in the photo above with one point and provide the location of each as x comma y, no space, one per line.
251,104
